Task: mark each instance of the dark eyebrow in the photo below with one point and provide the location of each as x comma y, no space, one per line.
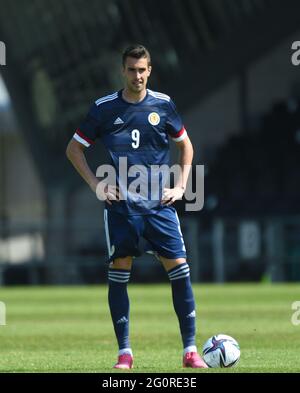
140,69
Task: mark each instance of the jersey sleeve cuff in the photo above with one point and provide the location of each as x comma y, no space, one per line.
180,135
81,138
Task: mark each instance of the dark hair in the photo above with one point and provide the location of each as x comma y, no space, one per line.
136,51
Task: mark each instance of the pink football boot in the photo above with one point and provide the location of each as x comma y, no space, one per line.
193,360
124,361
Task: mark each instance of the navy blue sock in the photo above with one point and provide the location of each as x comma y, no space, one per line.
184,304
119,304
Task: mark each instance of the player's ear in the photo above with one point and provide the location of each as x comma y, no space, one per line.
149,70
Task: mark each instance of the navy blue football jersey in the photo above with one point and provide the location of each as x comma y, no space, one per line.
136,135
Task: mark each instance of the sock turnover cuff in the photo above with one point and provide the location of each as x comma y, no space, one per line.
180,271
119,275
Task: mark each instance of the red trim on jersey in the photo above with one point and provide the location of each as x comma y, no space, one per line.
179,133
84,137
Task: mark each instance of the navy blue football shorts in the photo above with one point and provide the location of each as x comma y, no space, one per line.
131,235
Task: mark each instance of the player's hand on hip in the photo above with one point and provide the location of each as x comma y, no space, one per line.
170,195
108,193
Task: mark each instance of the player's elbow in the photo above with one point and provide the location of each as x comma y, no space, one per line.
188,150
186,146
190,147
69,151
72,149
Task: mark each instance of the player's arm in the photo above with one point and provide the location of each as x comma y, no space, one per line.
186,152
75,153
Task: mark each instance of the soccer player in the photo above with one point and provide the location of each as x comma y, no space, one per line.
136,123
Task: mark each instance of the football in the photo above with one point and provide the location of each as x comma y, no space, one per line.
221,351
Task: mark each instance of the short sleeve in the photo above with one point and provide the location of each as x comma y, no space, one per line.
174,125
89,130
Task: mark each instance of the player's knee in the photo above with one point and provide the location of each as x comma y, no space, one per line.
121,263
169,264
179,271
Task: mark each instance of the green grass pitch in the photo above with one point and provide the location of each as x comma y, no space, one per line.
68,329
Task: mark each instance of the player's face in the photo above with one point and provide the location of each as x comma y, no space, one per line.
136,73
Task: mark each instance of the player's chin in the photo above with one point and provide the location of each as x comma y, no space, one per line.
138,88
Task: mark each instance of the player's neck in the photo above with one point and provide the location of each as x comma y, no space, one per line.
133,97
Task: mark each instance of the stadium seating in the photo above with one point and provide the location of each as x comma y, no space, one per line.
258,172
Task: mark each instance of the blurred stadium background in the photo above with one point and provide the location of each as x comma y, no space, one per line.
226,63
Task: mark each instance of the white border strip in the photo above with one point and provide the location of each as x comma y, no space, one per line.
181,137
81,140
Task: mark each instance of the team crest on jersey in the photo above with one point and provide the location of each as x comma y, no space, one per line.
154,118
